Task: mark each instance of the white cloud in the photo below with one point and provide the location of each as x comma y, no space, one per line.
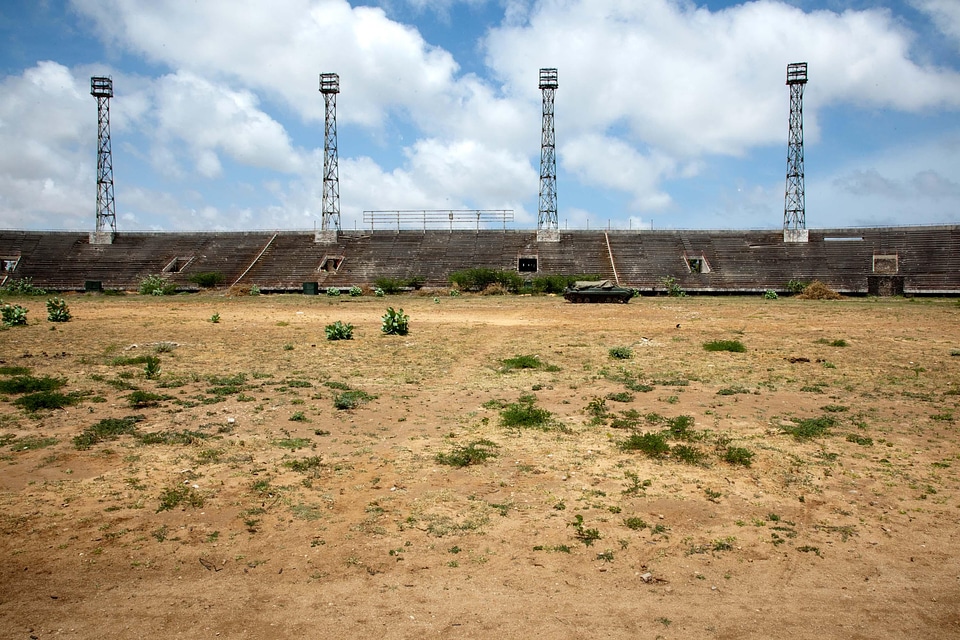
945,15
209,117
47,149
690,81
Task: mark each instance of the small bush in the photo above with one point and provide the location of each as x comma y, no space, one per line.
378,292
254,290
738,456
525,362
653,445
339,331
152,368
181,494
30,384
474,453
105,430
806,428
635,523
23,287
525,415
620,353
333,292
156,285
140,399
208,279
770,294
356,292
351,399
395,322
796,286
734,346
57,310
673,287
215,318
13,315
688,454
482,279
47,400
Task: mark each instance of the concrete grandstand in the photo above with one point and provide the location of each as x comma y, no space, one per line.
916,260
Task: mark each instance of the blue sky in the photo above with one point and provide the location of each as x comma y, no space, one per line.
670,113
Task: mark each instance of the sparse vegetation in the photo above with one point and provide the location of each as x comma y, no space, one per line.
476,452
13,315
208,279
57,310
524,414
733,346
395,322
339,331
620,353
156,285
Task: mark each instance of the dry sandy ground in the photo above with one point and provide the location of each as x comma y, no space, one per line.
297,519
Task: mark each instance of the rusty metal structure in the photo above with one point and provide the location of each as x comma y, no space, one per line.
547,218
794,208
101,87
330,87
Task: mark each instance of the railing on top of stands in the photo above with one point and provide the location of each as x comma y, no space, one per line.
434,218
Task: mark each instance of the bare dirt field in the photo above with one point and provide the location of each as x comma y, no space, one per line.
248,478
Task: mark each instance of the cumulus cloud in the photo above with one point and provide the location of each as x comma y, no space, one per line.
945,14
47,149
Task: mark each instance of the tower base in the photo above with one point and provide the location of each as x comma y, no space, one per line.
101,237
548,235
796,235
325,237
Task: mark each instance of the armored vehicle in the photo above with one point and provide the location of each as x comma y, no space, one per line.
597,291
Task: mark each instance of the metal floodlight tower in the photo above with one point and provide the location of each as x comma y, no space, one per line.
330,87
547,218
102,89
794,209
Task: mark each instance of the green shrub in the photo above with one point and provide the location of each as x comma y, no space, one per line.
454,293
673,287
140,399
473,453
215,318
57,310
378,292
653,445
525,414
152,368
207,279
13,315
254,290
770,294
47,400
480,278
333,292
688,454
339,331
395,322
180,494
620,353
355,292
107,429
23,287
30,384
156,285
351,399
525,362
796,286
558,284
738,456
734,346
806,428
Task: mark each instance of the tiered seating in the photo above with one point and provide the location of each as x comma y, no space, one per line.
928,258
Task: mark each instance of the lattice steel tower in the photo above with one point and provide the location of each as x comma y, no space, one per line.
794,209
547,218
102,89
330,87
